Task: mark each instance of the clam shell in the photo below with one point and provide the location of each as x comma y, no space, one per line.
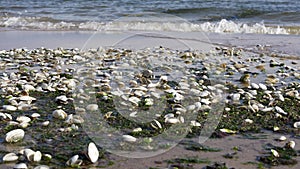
37,156
10,157
262,86
275,153
14,135
297,124
9,107
59,114
29,154
129,138
20,166
93,153
23,119
92,107
42,167
74,161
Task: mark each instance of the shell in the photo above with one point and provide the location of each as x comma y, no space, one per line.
23,119
93,153
14,135
62,99
74,161
195,123
37,156
59,114
129,138
279,110
9,107
275,153
282,138
20,166
290,144
42,167
297,124
262,86
10,157
29,154
92,107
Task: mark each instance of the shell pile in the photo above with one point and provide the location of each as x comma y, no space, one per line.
140,92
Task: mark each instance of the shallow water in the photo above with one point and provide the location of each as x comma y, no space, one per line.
249,16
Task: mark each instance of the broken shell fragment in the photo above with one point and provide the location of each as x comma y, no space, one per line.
74,161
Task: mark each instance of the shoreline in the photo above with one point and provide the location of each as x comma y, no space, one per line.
285,45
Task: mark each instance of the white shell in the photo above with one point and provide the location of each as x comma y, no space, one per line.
74,161
93,153
129,138
172,120
29,154
23,119
297,124
9,107
27,98
254,85
291,144
61,98
275,153
92,107
37,156
249,121
279,110
20,166
267,109
236,97
195,123
59,114
14,135
10,157
35,115
262,86
42,167
282,138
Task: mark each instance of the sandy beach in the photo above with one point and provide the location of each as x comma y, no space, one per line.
236,52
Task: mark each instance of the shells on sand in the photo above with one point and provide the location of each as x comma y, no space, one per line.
93,153
14,135
10,157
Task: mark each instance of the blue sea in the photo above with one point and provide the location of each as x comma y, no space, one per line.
224,16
